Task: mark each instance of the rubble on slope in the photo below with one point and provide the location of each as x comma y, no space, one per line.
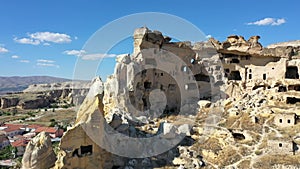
240,108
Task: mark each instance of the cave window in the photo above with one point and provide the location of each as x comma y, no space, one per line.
292,72
292,100
190,86
250,70
250,76
75,153
227,70
145,102
288,121
280,120
234,75
162,87
144,72
161,74
147,85
184,68
280,144
294,87
202,77
247,57
86,150
235,60
264,76
282,89
192,61
238,136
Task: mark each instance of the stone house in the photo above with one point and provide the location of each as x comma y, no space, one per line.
285,119
20,145
282,146
11,130
253,66
53,132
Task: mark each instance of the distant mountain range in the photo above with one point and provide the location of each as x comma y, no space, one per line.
17,83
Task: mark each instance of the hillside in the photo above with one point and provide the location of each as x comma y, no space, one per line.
18,83
294,43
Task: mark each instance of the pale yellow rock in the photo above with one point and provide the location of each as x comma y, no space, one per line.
39,153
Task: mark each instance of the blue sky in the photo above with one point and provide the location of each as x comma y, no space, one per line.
38,37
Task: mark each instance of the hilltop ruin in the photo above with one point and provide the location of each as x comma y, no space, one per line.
245,94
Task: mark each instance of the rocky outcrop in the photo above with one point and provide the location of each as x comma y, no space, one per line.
8,102
43,95
58,86
237,45
39,153
134,119
295,43
77,148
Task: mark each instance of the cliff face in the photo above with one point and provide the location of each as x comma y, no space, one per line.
39,153
233,105
43,95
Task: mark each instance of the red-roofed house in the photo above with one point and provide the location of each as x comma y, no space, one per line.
52,131
31,127
11,130
20,145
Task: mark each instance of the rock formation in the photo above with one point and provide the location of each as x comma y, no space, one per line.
39,153
43,95
232,105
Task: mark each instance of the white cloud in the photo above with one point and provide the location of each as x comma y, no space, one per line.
24,61
208,36
46,64
3,50
45,61
82,54
268,21
44,37
27,41
97,56
74,52
15,56
51,37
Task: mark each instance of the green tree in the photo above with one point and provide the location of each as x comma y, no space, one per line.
6,153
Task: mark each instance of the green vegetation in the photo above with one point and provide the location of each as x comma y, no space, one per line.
32,113
55,147
6,153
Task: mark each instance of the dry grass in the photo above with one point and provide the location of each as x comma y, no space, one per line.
59,116
267,161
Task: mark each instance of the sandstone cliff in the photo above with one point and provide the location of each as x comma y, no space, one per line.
39,153
43,95
233,104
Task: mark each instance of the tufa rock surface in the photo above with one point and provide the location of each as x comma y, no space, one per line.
39,153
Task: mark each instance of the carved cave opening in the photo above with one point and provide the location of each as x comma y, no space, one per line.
292,100
292,72
234,75
294,87
202,77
